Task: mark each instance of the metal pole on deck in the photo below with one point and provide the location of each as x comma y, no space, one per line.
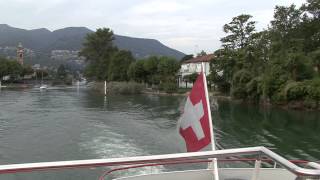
213,144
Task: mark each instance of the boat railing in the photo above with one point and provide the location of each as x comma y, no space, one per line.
234,159
260,152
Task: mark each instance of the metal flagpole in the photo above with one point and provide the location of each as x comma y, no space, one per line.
213,144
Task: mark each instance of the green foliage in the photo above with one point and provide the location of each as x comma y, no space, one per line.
314,89
137,72
27,70
191,78
61,72
167,68
119,66
98,45
254,89
155,71
41,73
280,64
202,53
295,91
240,79
98,50
169,87
124,88
240,29
11,68
105,61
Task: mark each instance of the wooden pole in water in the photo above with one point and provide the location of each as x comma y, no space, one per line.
105,88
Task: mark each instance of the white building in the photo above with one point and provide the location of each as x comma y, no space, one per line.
194,66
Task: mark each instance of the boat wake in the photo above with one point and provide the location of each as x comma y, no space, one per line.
108,144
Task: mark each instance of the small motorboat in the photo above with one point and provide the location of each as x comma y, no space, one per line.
42,87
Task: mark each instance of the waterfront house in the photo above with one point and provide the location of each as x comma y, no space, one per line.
192,66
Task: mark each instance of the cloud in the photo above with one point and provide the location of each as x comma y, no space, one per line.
153,7
181,24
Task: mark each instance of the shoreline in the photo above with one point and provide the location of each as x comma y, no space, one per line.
295,105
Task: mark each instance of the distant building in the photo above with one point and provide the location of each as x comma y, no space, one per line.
20,53
65,55
36,66
194,66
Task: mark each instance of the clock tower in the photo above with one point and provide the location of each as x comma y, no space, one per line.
20,54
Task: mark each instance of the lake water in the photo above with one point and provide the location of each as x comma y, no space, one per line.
71,124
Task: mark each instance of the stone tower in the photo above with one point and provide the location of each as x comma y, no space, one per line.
20,54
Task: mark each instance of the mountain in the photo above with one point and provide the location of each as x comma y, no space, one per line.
44,41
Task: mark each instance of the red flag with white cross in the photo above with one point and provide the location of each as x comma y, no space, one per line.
194,124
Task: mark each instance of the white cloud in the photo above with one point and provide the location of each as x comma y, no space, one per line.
153,7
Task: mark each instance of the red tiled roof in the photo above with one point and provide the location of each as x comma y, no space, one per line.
205,58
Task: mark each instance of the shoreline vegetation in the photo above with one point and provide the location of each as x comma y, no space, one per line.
278,66
132,88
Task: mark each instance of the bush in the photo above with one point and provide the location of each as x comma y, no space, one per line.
239,81
254,88
124,88
295,91
168,87
239,92
314,89
279,97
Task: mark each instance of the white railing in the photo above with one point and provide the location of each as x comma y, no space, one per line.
261,152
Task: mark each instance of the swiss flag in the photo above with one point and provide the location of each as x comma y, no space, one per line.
194,124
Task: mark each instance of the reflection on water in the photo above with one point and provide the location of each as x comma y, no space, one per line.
293,134
69,124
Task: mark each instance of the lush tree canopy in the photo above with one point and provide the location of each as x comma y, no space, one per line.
12,68
279,64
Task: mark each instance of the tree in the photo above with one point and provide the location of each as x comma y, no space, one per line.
119,66
98,50
137,72
27,70
315,57
277,65
239,29
202,53
313,7
286,19
191,78
98,45
14,69
151,68
61,72
3,68
167,69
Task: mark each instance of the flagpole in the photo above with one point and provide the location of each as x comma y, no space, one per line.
213,144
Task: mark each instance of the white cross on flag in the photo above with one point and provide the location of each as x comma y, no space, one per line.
194,124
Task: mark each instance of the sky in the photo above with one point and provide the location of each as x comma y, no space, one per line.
186,25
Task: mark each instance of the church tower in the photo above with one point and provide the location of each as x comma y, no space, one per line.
20,54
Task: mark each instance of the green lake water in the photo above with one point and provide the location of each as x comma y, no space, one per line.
71,124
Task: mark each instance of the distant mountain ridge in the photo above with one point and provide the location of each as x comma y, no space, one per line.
71,38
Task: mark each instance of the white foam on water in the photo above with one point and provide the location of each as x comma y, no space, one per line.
108,144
